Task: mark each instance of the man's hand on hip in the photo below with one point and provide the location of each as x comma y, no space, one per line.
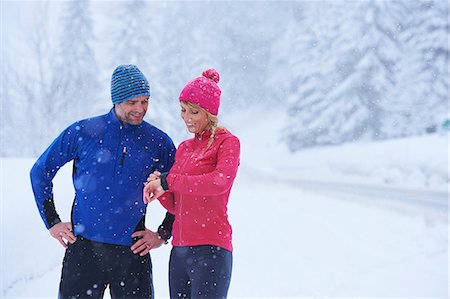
148,240
63,233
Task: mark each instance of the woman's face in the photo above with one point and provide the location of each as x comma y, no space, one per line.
196,120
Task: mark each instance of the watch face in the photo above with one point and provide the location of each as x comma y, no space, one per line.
163,234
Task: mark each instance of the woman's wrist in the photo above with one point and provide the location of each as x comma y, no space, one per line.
164,183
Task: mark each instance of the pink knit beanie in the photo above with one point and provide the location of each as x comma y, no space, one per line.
204,91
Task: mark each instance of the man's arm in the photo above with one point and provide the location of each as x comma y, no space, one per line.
44,170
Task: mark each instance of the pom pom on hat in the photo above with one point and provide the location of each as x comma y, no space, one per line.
128,82
212,74
204,91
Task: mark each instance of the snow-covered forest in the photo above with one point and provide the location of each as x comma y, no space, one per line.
341,71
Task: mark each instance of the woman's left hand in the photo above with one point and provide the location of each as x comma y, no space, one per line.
152,191
153,176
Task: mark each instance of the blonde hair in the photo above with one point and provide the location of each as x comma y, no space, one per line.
213,121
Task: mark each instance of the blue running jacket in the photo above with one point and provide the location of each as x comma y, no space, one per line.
111,163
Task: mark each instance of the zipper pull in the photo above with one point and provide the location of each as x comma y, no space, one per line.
124,153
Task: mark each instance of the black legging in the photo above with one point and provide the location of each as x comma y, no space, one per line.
199,271
89,267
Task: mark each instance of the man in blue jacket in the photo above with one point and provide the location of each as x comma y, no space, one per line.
106,241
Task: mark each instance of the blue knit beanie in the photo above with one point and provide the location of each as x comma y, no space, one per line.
128,82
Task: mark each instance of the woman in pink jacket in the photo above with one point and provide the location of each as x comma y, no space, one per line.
196,191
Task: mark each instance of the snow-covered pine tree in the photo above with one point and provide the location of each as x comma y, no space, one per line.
7,120
373,64
244,43
141,36
342,82
423,85
27,86
181,47
315,51
134,36
75,71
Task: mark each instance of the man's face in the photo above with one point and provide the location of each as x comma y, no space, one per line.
132,111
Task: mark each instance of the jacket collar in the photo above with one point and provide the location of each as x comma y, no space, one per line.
112,117
203,135
206,134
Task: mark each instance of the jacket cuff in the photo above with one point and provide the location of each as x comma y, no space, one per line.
165,229
164,183
50,214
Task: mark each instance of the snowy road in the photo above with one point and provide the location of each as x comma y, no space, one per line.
422,199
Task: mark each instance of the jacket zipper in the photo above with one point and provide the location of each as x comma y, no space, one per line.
181,196
181,225
118,170
124,153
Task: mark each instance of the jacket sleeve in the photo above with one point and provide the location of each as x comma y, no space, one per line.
167,156
61,151
218,181
165,163
167,201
